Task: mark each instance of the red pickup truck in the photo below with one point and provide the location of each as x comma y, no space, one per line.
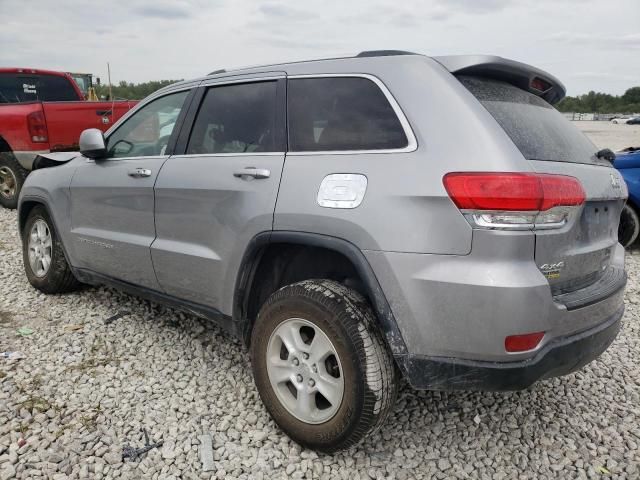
40,112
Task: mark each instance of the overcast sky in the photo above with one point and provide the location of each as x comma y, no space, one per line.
588,44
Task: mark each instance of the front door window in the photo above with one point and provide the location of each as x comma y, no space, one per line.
147,132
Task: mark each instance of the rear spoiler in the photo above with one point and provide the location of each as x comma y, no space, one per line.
518,74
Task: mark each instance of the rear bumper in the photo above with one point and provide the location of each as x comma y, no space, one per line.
561,356
464,306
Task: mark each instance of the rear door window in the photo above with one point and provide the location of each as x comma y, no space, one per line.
57,89
341,113
538,130
19,88
237,118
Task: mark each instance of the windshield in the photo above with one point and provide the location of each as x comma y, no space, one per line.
21,88
538,130
83,81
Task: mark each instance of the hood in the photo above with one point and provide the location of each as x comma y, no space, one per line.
46,160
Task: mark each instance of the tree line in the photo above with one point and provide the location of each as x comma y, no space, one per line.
131,91
598,102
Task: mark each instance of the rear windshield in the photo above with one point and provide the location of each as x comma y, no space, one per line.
21,88
538,130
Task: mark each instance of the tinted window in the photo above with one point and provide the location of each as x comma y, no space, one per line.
18,88
57,89
235,119
341,113
147,132
538,130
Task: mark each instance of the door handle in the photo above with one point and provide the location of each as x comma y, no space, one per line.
252,172
139,172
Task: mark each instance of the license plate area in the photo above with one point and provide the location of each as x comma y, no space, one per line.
576,256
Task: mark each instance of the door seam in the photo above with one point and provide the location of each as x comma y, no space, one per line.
155,228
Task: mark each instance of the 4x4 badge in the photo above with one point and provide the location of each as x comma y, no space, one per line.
552,270
615,181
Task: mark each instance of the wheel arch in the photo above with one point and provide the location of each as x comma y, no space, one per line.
4,146
25,208
261,274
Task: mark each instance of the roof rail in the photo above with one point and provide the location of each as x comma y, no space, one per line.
366,53
384,53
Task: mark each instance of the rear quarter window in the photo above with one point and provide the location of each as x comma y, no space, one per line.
537,129
341,113
57,89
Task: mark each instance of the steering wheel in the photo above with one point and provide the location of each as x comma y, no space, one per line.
161,144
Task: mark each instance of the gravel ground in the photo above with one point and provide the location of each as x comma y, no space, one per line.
85,389
610,135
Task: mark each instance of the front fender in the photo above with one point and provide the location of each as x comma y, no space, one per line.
50,187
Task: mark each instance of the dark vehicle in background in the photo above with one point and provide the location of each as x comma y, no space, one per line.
43,111
628,163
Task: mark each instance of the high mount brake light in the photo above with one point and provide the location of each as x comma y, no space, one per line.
514,200
540,84
37,127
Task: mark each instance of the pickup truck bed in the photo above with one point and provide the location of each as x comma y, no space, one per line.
57,125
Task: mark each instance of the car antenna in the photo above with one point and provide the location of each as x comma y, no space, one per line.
110,93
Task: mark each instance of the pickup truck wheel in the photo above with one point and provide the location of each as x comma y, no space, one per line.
12,176
629,228
321,366
44,261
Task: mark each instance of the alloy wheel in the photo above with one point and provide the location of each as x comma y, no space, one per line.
7,183
304,370
40,247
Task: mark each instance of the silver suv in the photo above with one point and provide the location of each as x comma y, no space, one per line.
354,221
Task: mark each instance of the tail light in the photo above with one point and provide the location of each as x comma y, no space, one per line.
37,127
514,201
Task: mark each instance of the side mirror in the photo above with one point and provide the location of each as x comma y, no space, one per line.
92,144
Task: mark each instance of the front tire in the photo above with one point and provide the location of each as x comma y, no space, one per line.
629,228
12,177
44,262
321,366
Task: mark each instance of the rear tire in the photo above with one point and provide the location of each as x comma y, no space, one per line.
629,228
44,261
292,379
12,177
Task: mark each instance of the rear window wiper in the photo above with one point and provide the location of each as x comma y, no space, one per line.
606,154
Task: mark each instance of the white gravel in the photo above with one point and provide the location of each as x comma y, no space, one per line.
610,135
82,393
